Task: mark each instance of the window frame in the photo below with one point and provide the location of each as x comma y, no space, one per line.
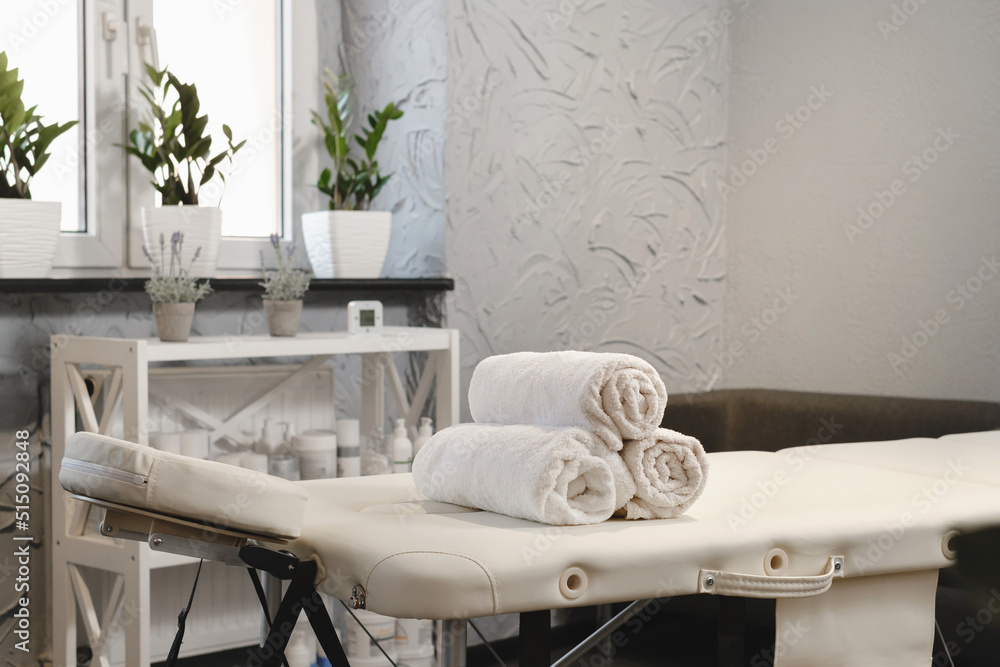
112,182
101,245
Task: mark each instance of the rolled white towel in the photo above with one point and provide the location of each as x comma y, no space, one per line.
621,476
531,472
617,396
669,469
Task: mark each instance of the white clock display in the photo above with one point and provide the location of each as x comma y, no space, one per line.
364,317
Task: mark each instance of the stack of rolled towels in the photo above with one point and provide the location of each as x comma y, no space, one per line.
564,438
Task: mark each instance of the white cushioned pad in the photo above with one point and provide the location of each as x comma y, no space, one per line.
967,457
208,492
432,560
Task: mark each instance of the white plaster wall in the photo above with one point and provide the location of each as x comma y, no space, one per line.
858,292
584,142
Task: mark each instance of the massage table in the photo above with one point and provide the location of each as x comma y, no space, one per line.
847,538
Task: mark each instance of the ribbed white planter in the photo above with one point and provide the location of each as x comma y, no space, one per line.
29,237
201,226
347,244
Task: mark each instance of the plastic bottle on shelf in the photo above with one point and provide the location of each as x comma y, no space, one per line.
317,452
283,463
402,448
301,648
415,641
375,460
423,435
270,439
364,650
348,448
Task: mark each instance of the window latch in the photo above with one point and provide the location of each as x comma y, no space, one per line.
112,27
146,36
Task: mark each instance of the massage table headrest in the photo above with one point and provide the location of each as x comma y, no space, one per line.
220,495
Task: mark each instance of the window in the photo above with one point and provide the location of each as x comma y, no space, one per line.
84,59
241,89
43,43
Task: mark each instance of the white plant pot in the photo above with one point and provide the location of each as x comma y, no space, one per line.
201,226
347,244
29,237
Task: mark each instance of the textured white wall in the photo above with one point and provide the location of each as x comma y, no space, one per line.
584,143
899,83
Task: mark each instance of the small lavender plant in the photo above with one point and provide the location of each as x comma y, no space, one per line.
172,283
285,283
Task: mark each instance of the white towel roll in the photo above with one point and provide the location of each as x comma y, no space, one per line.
617,396
531,472
621,476
669,469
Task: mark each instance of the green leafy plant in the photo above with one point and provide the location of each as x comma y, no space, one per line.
171,143
353,183
285,283
171,283
24,139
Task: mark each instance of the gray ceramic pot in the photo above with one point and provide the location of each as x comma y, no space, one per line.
283,316
173,320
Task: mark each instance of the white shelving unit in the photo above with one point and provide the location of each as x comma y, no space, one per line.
125,602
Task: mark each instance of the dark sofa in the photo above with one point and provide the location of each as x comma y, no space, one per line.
767,419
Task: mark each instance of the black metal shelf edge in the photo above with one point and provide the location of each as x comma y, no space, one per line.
85,285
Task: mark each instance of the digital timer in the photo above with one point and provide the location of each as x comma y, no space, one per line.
364,317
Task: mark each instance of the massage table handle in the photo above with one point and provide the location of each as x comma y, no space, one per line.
718,582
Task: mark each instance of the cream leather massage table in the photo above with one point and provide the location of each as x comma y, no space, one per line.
847,538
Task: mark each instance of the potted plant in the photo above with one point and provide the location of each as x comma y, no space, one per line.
172,145
284,288
29,230
348,240
172,289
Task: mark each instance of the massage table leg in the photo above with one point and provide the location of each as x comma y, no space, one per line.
887,619
272,595
535,645
300,597
731,631
602,633
454,640
604,615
